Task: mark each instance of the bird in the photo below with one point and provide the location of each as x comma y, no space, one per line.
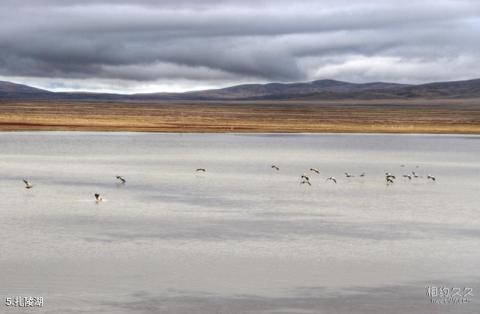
415,175
332,179
98,198
275,167
305,177
348,175
315,170
409,177
431,178
201,169
389,175
28,185
306,182
362,174
121,179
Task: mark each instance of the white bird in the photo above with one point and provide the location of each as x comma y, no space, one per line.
315,170
409,177
28,185
348,175
332,179
121,179
98,198
275,167
431,178
389,180
414,174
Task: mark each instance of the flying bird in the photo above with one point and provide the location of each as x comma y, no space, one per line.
389,175
362,174
430,177
275,167
409,177
415,175
389,178
348,175
121,179
315,170
306,182
200,170
28,185
305,177
332,179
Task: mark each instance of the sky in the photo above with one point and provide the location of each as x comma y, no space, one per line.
178,45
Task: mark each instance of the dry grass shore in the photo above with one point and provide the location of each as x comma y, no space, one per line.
356,116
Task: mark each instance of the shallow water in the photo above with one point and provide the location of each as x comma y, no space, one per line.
240,238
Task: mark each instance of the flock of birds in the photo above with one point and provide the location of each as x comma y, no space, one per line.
389,178
304,178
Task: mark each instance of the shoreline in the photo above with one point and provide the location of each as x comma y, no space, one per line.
235,131
375,116
59,132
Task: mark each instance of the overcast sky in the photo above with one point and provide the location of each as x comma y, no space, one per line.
176,45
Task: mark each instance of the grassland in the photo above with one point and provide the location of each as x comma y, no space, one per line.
356,116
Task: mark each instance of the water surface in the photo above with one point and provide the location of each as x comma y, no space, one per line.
240,238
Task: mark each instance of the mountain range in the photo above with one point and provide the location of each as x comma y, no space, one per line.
315,90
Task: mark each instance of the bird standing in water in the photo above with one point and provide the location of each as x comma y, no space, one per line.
98,198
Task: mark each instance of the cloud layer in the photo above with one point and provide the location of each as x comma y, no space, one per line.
147,45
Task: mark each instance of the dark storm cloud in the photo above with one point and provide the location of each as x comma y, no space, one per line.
219,42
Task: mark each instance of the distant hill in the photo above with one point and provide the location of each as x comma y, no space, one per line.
8,89
456,89
316,90
292,90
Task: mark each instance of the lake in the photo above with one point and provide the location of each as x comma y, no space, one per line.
240,237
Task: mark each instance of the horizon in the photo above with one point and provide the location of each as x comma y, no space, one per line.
224,87
146,47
